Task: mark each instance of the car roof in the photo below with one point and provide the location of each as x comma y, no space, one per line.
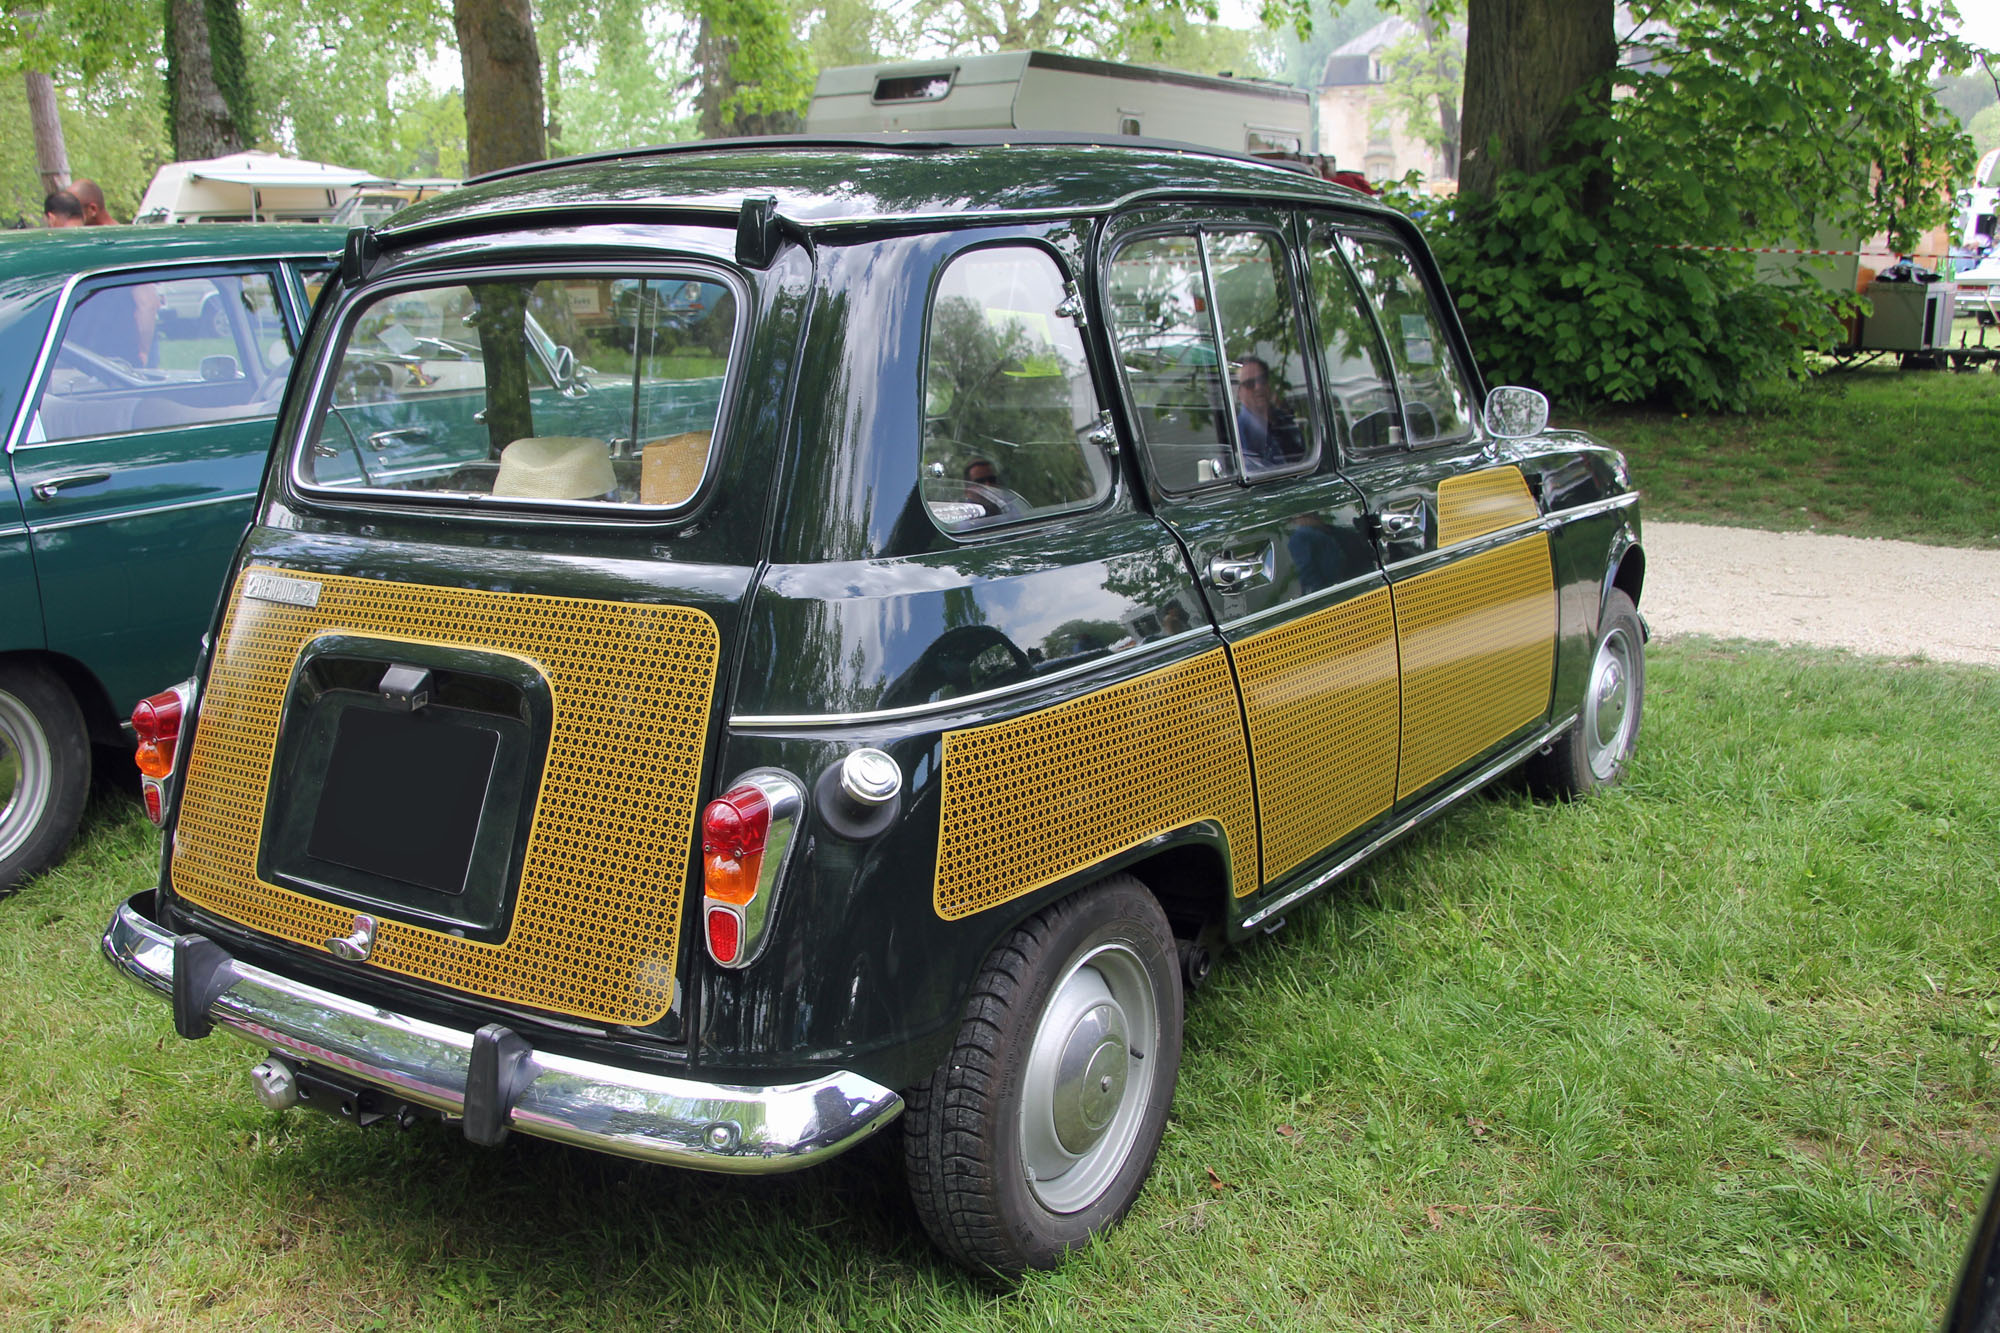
869,179
50,255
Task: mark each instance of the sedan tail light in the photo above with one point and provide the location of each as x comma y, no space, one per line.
158,722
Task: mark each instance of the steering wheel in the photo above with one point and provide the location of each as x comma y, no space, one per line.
105,369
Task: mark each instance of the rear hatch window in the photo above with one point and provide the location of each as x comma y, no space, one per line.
583,389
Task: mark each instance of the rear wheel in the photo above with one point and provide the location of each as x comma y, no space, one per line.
1040,1128
1596,751
44,772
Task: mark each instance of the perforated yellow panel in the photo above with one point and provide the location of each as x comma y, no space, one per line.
1478,640
1030,800
1320,694
594,926
1472,504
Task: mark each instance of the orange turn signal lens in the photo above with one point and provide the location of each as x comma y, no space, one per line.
154,761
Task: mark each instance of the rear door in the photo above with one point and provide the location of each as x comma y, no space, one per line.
1239,454
1458,528
139,454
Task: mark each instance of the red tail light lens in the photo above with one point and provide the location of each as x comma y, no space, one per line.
725,934
735,829
157,721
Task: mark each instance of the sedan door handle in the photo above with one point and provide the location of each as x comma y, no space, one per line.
46,490
1404,523
382,439
1227,573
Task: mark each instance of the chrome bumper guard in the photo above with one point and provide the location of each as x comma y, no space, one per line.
492,1078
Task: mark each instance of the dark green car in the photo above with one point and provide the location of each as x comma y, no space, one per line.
144,368
743,643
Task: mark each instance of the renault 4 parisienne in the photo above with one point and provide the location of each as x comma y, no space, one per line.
743,643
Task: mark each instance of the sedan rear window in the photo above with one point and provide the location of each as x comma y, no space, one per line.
575,389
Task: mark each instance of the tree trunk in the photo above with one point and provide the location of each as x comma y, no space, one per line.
51,158
503,84
1527,65
197,116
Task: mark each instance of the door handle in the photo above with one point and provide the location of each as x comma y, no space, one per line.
1228,573
46,490
382,439
1403,524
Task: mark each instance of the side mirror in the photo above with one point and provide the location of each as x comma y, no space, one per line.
1514,413
568,379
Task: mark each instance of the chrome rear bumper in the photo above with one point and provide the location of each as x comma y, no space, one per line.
492,1077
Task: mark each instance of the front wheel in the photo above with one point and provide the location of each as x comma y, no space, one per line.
1595,752
44,772
1041,1126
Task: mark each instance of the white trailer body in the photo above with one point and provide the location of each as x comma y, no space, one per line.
1040,90
249,187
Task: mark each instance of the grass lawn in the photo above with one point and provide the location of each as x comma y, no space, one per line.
1874,452
1720,1050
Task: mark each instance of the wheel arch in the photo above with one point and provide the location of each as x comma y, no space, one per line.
100,719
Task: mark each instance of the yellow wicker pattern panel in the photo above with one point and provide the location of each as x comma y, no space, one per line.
1478,639
596,920
1320,695
1472,504
1038,797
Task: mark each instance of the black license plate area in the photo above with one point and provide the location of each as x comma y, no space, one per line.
403,796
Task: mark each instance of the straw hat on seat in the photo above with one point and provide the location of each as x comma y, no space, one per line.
555,467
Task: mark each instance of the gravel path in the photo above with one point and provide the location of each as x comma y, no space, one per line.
1895,599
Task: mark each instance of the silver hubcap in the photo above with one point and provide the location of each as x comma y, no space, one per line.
1086,1086
27,771
1608,713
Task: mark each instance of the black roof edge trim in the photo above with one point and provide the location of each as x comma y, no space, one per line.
910,141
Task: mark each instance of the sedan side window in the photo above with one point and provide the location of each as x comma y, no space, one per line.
159,354
1009,406
1437,395
1359,382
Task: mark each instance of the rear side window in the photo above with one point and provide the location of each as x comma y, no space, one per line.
574,389
1437,395
166,353
1009,406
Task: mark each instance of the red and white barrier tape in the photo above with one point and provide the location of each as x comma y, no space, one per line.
1762,250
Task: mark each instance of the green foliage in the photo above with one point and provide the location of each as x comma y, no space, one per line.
115,131
1759,125
1603,308
1425,82
1985,130
232,78
845,32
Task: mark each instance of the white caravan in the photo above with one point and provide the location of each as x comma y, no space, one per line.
249,187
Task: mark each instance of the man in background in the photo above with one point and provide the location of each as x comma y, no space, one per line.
62,209
95,214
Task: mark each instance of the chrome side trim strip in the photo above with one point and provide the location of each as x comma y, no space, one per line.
1410,821
1624,501
144,511
631,1113
1470,546
1313,601
14,530
957,703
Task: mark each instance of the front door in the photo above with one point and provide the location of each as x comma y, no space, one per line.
1240,459
1458,527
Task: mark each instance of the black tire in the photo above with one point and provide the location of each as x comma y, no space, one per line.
1052,1066
1595,753
44,772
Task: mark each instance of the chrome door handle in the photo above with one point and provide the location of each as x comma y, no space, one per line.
46,490
1402,524
1227,573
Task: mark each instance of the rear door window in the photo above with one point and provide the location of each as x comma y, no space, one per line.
164,352
600,389
1208,342
1010,410
1360,390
